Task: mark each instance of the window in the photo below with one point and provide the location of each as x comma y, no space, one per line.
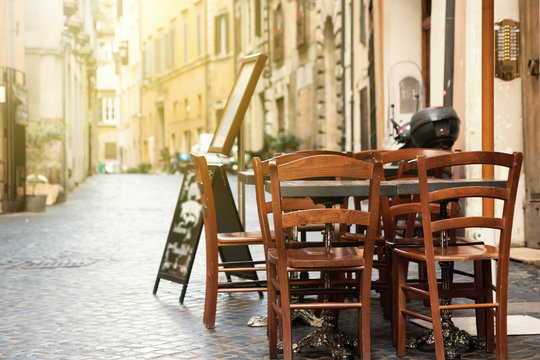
110,151
187,141
105,52
108,110
147,63
257,18
158,68
185,54
187,107
169,50
198,30
280,105
238,41
278,34
362,23
221,38
301,26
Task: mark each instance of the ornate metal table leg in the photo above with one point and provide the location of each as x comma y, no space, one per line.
339,344
452,336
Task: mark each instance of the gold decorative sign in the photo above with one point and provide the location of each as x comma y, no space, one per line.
507,49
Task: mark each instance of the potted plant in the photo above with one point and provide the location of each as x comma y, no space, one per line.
43,140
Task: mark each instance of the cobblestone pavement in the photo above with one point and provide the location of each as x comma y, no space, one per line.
76,283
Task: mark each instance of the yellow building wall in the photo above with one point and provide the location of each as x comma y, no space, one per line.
180,90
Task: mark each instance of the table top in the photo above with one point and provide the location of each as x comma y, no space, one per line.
410,187
248,178
330,188
342,188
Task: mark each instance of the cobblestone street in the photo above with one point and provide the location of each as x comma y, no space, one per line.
76,283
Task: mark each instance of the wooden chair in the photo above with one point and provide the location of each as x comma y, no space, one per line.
261,172
480,287
292,203
383,246
284,258
214,241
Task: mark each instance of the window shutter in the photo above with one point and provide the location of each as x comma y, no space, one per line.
227,33
216,35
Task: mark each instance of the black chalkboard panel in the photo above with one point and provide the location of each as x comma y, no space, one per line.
186,227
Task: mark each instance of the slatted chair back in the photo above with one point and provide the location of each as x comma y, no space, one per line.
286,258
312,167
431,251
207,202
264,208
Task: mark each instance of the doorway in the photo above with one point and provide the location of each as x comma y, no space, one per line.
530,89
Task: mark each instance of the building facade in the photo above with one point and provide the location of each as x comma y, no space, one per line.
107,109
13,105
174,85
60,57
128,64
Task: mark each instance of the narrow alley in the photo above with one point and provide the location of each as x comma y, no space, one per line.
76,283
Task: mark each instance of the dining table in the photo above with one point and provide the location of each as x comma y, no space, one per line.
329,192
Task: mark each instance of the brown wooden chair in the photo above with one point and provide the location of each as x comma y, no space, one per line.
292,203
214,241
264,207
480,287
383,246
285,258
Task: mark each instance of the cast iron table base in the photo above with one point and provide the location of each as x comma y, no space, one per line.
452,336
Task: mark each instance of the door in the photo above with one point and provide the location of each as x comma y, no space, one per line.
530,52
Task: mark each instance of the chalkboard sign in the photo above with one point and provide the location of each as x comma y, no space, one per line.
186,227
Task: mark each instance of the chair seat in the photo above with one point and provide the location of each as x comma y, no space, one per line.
240,238
360,237
419,242
452,253
316,257
311,227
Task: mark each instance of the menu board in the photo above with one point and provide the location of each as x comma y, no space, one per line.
186,227
237,104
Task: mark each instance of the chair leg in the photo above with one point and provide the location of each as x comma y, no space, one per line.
386,293
481,313
490,313
272,315
399,327
286,324
210,301
501,340
435,310
364,343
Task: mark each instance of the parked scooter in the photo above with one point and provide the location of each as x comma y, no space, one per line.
409,124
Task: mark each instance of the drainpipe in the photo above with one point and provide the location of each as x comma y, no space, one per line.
343,80
65,112
352,72
487,94
448,85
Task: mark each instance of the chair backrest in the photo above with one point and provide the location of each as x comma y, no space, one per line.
512,162
402,156
261,170
325,166
207,202
304,153
507,195
366,154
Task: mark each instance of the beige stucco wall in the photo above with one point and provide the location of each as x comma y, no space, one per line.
181,90
402,40
507,106
12,34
